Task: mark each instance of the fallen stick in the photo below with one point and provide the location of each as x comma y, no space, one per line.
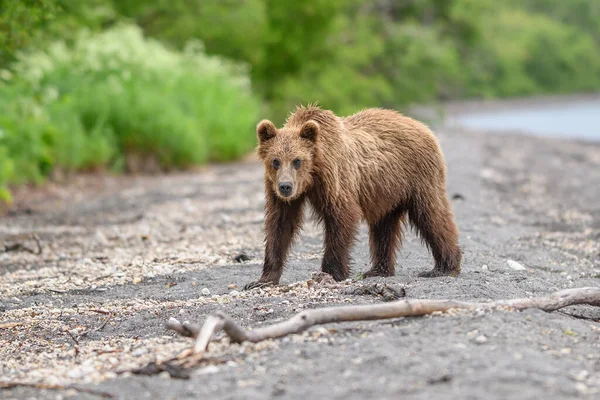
402,308
21,247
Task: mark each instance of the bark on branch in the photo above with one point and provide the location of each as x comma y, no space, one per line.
402,308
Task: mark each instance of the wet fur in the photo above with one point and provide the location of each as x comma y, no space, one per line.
376,166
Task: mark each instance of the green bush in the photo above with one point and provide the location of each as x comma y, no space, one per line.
524,54
110,94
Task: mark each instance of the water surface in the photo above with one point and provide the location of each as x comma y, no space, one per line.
572,119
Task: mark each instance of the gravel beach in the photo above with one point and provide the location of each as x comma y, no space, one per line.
91,271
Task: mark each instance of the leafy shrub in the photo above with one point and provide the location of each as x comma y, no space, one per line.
375,64
522,54
90,104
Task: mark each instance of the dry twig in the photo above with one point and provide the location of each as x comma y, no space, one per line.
19,246
10,325
403,308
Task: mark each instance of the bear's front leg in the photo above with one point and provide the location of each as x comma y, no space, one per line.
283,220
340,232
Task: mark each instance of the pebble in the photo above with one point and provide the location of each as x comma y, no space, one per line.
515,265
139,352
164,375
581,387
580,375
485,267
232,286
205,292
211,369
481,339
234,293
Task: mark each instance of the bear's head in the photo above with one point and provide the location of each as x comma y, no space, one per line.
288,154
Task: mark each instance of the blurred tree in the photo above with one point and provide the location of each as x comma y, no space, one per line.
349,54
21,22
232,28
298,34
33,23
583,14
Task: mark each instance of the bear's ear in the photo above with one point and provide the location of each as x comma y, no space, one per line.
309,130
265,130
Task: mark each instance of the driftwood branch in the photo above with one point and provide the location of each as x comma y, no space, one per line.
402,308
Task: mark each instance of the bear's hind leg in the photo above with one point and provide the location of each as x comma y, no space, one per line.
385,237
432,217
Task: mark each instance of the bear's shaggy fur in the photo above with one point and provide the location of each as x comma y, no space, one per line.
376,165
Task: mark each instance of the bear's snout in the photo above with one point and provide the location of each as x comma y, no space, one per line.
285,188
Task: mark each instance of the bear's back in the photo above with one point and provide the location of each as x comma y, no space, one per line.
386,125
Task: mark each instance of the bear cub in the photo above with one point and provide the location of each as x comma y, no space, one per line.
376,166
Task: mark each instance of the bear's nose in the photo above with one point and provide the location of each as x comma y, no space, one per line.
285,188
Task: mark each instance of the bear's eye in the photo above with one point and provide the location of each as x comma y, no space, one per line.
297,163
276,163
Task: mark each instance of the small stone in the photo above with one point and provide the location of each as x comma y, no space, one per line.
484,267
205,292
565,350
137,280
232,286
581,387
164,375
515,265
481,339
75,373
211,369
139,352
322,331
580,375
234,293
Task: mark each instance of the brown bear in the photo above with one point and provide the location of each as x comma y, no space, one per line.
376,165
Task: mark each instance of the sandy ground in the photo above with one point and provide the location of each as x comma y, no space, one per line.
120,256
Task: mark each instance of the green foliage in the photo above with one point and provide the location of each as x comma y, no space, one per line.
88,91
582,14
110,94
232,28
35,23
21,22
523,54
